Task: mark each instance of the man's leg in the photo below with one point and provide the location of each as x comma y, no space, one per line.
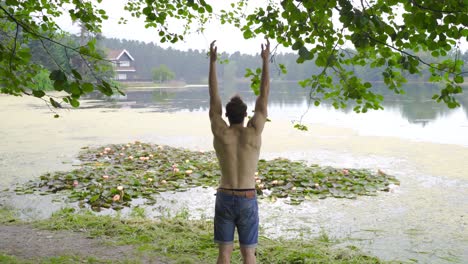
248,255
225,251
247,226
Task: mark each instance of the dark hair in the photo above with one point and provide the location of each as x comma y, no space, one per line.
236,110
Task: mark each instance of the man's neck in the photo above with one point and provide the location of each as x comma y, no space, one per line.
237,125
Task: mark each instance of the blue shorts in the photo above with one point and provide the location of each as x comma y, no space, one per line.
236,211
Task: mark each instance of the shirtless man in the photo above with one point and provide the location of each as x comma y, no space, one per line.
237,148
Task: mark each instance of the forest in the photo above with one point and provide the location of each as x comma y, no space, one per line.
191,66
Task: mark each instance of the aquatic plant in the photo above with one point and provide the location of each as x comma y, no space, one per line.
111,176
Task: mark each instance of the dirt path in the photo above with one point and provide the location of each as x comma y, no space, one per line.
27,242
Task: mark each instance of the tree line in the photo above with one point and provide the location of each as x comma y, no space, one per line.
191,66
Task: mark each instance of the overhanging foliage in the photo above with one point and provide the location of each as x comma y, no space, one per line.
335,34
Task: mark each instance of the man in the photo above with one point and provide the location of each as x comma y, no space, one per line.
237,148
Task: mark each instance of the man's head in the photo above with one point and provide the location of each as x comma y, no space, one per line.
236,110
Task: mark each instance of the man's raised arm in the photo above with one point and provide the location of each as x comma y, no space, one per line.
262,99
215,100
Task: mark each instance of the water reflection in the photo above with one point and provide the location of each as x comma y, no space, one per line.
411,116
415,106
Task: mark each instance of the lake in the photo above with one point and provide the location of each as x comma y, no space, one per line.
425,145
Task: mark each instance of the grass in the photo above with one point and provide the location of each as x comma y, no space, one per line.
7,216
180,240
190,241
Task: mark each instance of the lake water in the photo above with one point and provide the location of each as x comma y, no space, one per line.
422,143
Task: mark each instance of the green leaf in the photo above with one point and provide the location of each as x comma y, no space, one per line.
303,52
297,45
11,2
247,34
283,68
75,88
58,75
75,103
458,79
38,93
54,103
87,87
76,74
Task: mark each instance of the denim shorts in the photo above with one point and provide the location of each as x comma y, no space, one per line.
236,211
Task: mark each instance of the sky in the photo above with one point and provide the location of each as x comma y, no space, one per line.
228,38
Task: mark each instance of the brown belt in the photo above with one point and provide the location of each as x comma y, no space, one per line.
242,193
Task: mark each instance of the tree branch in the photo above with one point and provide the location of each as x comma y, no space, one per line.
37,35
435,10
411,55
14,48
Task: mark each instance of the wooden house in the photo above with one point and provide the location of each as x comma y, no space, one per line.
124,65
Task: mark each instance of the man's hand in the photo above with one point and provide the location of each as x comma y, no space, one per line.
213,51
265,51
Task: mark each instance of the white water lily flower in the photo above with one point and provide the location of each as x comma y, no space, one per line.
188,172
120,187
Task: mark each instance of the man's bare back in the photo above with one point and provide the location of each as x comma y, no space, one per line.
238,150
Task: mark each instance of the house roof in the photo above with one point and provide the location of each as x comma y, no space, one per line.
116,54
126,69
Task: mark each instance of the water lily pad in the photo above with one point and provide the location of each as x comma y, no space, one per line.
143,170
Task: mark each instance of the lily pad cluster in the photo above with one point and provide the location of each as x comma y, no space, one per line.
112,176
283,178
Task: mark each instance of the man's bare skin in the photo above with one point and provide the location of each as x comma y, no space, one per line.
238,146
